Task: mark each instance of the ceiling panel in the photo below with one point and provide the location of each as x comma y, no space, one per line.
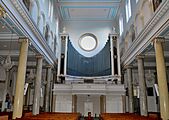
89,0
89,9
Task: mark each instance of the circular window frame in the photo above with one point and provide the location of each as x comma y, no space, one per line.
90,35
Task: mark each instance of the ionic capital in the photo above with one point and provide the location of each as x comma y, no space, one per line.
158,39
140,57
128,66
23,39
39,56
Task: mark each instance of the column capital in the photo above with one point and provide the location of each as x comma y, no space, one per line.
23,39
49,66
3,12
140,57
39,56
158,39
113,37
64,36
128,66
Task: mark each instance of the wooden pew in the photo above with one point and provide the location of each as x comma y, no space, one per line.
51,116
4,117
125,116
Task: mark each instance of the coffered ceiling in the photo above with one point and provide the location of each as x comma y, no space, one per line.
97,10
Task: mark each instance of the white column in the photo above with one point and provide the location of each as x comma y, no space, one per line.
37,91
65,59
59,63
162,78
118,58
130,89
112,54
5,90
47,95
19,91
142,86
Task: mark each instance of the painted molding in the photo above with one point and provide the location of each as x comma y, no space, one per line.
156,26
21,18
89,89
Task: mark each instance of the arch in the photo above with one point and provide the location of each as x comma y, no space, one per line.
47,36
126,40
49,7
41,22
27,4
35,10
51,41
139,23
55,43
132,32
147,10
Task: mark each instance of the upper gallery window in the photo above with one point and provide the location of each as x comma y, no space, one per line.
156,3
88,42
128,10
121,25
50,12
136,1
27,4
49,9
51,16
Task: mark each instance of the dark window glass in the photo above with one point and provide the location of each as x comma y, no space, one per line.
156,3
150,91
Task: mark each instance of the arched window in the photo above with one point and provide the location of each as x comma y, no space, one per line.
55,44
51,43
139,23
156,3
132,31
51,13
127,41
128,10
27,4
49,8
34,10
147,11
47,33
41,23
121,25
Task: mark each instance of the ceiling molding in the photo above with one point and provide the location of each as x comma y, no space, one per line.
88,10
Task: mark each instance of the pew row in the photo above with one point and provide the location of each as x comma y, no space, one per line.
126,116
51,116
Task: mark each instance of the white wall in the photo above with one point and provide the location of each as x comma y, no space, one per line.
114,104
63,103
100,29
95,99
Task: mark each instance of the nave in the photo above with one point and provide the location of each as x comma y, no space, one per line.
61,59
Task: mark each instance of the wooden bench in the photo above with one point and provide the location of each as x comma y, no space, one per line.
4,117
51,116
126,116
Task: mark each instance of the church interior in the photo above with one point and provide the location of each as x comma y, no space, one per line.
84,59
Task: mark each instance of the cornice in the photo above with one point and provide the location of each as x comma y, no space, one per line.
21,10
148,33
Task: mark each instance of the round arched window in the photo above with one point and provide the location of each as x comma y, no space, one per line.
88,42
